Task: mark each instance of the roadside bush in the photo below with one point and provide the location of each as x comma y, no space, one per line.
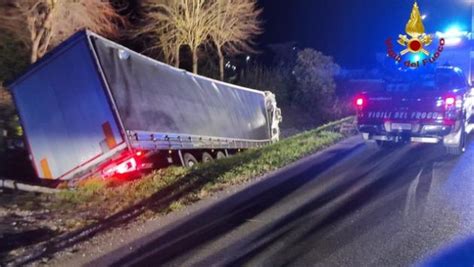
13,57
305,90
278,80
315,85
341,107
13,60
9,123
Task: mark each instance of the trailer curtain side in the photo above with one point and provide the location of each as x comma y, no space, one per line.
157,98
90,100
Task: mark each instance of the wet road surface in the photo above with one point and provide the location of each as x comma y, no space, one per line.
347,206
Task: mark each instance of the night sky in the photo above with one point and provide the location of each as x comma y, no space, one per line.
352,31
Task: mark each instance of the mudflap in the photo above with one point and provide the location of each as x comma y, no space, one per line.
455,143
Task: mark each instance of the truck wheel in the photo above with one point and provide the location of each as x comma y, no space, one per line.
461,147
189,160
220,155
206,157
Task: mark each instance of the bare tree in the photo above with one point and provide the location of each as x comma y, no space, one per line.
237,23
161,28
177,23
199,17
42,24
5,96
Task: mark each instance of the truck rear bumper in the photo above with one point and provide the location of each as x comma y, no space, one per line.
92,165
426,140
416,133
416,130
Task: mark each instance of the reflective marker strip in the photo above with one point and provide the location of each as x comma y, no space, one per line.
45,168
109,135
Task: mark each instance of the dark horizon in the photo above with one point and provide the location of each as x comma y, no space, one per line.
353,31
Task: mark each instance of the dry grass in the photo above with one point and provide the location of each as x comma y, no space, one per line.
182,186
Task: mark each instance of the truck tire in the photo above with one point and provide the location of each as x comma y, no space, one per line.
461,147
189,160
206,157
220,155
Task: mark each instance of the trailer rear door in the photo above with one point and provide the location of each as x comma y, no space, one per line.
65,112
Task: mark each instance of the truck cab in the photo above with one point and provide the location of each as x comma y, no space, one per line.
433,107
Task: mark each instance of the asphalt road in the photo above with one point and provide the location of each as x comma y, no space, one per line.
347,206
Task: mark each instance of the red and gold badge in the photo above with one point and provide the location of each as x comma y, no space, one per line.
416,30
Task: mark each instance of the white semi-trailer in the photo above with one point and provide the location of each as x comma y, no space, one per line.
91,106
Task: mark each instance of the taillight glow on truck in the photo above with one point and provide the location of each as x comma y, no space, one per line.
127,166
453,107
450,101
360,102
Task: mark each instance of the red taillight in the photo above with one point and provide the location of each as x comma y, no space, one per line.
126,166
450,101
129,165
453,102
359,102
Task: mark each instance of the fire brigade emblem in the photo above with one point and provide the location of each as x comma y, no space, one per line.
416,31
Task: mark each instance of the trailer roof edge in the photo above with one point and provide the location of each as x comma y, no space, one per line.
87,34
47,57
154,61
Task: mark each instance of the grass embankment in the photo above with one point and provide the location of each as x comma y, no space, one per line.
97,199
165,190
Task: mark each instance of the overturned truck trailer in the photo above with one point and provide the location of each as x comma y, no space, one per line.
92,106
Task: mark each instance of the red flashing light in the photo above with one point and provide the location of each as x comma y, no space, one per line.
450,101
139,153
453,104
360,102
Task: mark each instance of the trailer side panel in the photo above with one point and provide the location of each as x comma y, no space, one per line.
65,112
154,97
